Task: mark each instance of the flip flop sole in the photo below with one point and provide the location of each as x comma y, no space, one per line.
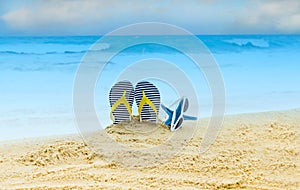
152,93
121,112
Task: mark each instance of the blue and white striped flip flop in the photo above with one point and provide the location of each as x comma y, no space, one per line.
147,98
121,97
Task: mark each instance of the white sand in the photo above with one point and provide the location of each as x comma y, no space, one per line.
253,151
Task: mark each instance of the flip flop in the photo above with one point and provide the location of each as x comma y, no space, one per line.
147,99
121,97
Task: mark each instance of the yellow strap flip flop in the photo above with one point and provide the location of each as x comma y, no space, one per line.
147,98
121,98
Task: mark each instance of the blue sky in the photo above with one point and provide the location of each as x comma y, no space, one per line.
96,17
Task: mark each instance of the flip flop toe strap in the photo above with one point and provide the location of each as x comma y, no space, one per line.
121,100
145,100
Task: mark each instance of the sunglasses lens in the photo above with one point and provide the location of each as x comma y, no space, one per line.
186,105
179,124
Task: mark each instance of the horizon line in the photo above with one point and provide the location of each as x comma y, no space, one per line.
94,35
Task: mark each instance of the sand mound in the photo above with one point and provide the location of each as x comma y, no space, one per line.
138,134
63,152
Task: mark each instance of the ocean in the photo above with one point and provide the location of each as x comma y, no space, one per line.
260,72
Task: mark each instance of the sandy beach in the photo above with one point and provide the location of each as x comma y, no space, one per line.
252,151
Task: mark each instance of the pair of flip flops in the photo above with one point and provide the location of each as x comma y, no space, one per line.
122,96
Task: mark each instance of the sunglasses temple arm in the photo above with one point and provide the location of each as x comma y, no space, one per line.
167,110
186,117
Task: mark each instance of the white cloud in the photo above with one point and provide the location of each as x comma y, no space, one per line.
207,16
94,16
290,24
44,15
270,16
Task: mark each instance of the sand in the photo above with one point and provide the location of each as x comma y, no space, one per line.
253,151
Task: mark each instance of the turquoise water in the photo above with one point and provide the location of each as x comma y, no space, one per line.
261,73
